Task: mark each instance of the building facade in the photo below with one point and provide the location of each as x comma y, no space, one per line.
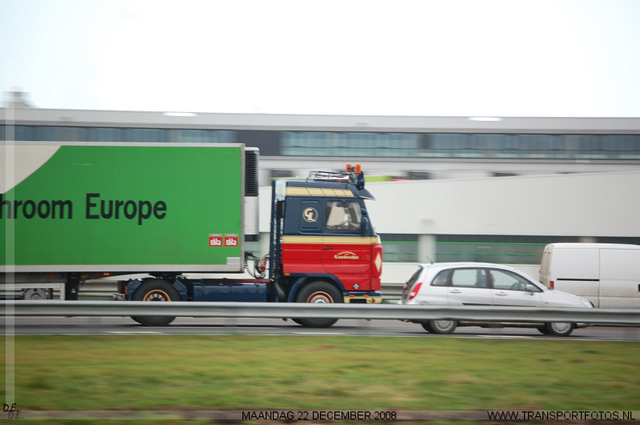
453,206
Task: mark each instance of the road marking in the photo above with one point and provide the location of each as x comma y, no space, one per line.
506,337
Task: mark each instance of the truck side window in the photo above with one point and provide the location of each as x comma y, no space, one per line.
343,215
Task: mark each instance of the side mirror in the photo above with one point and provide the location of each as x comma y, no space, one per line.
531,288
279,209
364,225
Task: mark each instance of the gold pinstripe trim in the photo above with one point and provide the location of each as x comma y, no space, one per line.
344,240
318,191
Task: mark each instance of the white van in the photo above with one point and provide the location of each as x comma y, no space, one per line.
608,275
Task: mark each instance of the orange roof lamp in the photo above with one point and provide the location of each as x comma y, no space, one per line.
357,170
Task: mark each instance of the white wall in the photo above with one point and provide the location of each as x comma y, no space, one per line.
599,204
582,205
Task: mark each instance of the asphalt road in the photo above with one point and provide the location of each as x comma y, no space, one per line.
230,326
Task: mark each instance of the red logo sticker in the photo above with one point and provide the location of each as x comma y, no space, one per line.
215,240
231,240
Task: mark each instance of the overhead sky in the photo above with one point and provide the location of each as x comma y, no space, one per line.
426,58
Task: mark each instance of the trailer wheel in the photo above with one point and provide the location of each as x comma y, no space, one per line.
319,293
155,290
34,294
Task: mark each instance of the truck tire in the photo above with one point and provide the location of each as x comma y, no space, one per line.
319,293
155,290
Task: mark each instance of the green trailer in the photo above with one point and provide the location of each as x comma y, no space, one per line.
77,209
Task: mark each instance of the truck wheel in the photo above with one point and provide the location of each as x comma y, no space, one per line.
319,293
440,326
298,321
155,290
558,329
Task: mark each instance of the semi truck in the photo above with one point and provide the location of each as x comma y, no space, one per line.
177,217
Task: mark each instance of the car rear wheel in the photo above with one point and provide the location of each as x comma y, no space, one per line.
559,328
440,326
543,329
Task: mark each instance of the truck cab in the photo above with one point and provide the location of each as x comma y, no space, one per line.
326,248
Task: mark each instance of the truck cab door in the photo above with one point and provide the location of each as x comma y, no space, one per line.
302,239
347,253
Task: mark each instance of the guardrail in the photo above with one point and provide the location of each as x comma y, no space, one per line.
307,311
102,290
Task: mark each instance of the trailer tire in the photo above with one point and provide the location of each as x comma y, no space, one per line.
35,294
319,293
155,290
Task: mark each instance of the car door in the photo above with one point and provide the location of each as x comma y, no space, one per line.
435,290
469,286
510,290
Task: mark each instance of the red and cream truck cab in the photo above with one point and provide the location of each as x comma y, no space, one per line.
325,247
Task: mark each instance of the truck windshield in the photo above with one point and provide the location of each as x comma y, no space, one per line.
343,215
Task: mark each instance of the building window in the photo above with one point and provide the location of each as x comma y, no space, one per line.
494,249
365,144
399,247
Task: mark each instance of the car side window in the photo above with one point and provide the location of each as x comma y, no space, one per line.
470,278
508,281
441,279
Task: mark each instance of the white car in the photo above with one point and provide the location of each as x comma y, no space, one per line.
485,284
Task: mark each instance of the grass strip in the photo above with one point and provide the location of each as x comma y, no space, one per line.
327,372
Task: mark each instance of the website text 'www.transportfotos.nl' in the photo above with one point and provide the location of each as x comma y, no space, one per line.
561,415
391,415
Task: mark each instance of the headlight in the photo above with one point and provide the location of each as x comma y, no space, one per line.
587,303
